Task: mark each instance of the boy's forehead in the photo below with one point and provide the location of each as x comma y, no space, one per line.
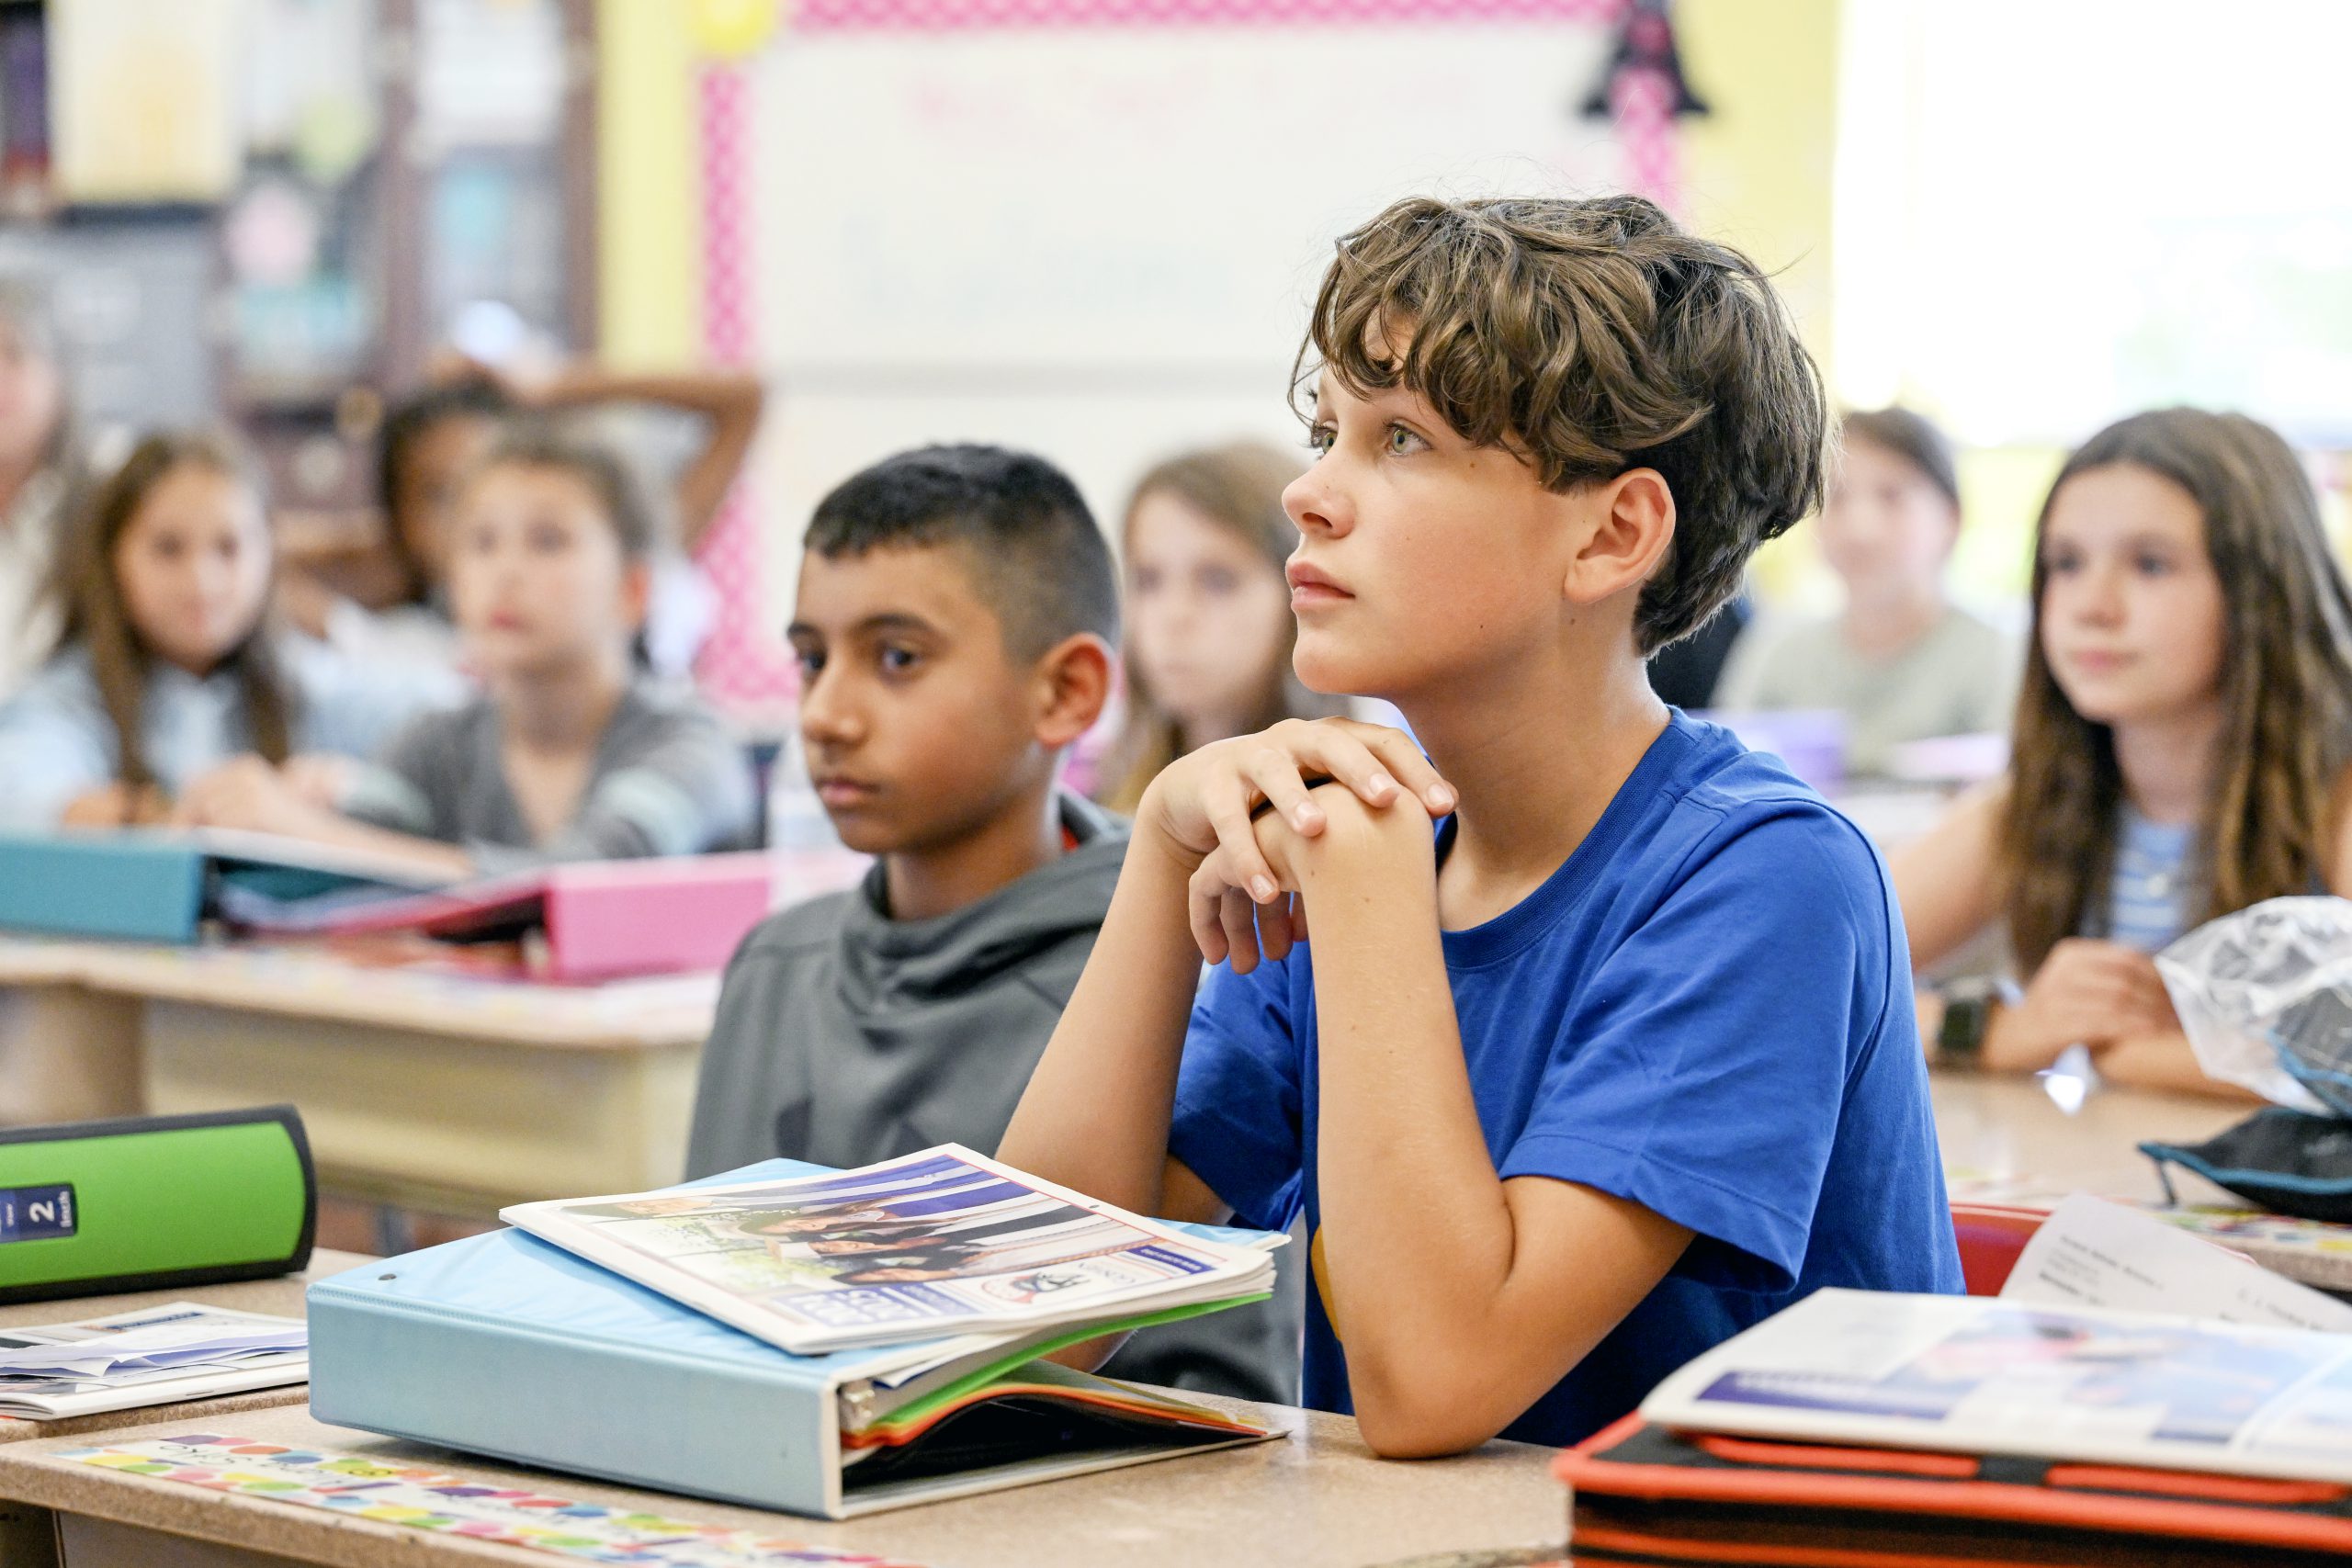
934,583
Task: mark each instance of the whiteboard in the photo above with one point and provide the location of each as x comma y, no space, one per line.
1100,242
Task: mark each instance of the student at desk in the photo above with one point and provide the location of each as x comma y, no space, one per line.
953,626
166,662
1613,1060
2180,748
571,753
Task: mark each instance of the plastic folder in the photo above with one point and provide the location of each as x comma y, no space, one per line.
1643,1495
505,1346
601,918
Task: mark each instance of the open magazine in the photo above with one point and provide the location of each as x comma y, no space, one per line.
1971,1375
943,1243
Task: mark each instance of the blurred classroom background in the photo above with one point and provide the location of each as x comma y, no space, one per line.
1088,227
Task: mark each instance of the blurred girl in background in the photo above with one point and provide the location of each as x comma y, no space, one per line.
1207,612
2180,750
165,664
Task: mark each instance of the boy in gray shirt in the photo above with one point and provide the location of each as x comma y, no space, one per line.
957,609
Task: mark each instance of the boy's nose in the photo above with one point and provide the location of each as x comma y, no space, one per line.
826,719
1314,504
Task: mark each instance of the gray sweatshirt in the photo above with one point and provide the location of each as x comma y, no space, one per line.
846,1037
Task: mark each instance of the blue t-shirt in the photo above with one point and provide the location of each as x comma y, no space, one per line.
1706,1010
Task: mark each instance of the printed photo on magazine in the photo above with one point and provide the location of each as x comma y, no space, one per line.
1971,1375
943,1242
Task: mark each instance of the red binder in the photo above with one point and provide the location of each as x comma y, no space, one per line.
1645,1495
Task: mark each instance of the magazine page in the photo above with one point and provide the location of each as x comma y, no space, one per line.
939,1243
1969,1375
2090,1252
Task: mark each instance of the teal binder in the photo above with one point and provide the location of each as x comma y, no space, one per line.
503,1345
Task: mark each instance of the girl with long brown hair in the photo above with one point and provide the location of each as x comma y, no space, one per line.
2180,748
165,664
1208,611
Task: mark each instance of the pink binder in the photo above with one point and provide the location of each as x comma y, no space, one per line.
602,920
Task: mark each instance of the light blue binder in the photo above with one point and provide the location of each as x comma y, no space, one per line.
503,1345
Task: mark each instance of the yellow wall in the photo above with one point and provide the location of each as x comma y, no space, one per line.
1756,174
649,218
1756,171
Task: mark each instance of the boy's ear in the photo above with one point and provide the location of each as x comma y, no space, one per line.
637,592
1632,528
1073,682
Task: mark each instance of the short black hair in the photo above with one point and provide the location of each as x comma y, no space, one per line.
1038,559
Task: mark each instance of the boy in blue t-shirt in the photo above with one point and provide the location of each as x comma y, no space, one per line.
1619,1058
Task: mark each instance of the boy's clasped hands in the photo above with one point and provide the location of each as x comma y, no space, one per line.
1310,805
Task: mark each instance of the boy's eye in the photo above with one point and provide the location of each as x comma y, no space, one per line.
1402,441
1320,439
809,660
1218,579
900,660
2058,561
1147,580
546,538
2151,564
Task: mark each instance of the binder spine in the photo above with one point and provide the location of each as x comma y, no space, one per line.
510,1390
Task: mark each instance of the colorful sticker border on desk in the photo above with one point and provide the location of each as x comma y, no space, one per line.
358,1486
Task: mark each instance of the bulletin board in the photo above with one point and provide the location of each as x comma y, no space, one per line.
1093,228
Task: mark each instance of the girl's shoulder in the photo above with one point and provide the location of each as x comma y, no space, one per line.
66,679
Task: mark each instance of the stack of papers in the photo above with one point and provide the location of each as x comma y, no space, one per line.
158,1356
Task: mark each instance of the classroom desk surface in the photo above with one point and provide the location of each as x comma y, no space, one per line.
1316,1498
2010,1127
280,1297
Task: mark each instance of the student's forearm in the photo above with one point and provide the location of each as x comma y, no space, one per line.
1096,1113
429,856
731,398
1417,1230
2165,1062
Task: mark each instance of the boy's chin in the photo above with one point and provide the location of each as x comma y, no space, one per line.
1333,671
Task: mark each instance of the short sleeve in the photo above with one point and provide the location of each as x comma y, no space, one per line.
1236,1123
1704,1071
56,743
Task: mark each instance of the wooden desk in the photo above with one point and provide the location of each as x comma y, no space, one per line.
281,1297
1315,1499
2010,1127
423,1089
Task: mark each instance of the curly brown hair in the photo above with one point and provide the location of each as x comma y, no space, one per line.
2285,687
1591,337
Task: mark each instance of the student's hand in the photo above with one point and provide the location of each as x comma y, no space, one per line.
117,806
1377,851
245,792
320,778
2088,991
1203,803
